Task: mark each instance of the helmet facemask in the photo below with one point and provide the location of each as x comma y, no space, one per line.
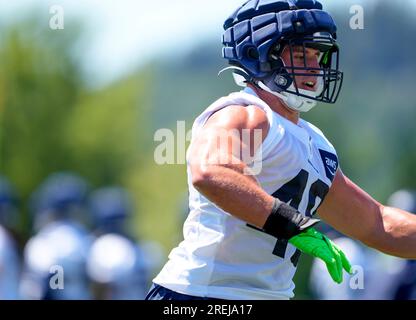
325,81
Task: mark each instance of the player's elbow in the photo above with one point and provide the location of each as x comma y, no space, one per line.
373,231
201,176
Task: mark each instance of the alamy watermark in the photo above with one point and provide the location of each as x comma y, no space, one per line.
357,278
357,19
57,19
216,146
56,281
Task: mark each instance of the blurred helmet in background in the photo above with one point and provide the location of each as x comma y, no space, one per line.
111,207
61,196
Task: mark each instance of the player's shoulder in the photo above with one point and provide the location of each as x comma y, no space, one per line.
238,110
242,105
240,116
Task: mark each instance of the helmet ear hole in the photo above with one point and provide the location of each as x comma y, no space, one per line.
252,53
276,51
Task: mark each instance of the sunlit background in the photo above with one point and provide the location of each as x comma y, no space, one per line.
88,100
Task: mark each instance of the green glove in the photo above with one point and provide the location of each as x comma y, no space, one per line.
320,246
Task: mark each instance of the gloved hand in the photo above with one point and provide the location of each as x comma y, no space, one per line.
318,245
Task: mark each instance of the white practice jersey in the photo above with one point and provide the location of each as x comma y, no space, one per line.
222,256
119,264
60,244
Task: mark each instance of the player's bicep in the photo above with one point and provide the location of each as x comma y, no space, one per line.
351,210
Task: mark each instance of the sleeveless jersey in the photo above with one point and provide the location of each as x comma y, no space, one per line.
222,256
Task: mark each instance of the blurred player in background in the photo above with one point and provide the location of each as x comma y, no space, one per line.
9,257
375,274
61,240
406,280
117,265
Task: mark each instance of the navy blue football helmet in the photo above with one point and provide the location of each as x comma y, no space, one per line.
61,195
111,207
260,30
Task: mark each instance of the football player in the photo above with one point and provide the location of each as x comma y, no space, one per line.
117,265
253,197
375,274
406,281
55,257
9,257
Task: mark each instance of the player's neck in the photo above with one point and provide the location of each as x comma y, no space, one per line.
276,105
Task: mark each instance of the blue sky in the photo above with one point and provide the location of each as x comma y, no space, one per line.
124,34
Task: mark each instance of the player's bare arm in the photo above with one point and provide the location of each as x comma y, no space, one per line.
352,211
219,172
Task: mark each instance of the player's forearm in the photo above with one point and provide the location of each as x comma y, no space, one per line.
398,234
234,192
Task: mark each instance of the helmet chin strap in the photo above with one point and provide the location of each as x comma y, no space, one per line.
292,101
